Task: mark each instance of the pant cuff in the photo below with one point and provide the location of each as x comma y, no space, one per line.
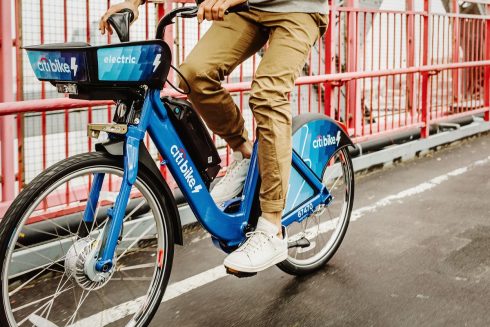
235,141
272,205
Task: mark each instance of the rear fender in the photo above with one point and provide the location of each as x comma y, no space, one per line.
316,138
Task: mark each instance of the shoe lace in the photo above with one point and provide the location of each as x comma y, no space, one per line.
254,241
231,171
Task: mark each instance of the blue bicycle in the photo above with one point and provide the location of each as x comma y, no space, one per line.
98,229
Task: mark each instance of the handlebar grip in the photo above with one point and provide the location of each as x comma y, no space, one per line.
238,8
120,22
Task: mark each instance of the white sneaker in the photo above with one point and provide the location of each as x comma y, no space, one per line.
232,183
262,249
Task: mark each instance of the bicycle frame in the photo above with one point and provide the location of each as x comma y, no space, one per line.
228,228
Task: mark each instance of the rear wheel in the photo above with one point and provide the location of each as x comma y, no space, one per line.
326,227
45,246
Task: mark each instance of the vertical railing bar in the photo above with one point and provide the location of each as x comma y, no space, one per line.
437,60
363,90
455,49
467,58
479,72
448,72
372,79
447,51
319,71
425,76
386,66
358,111
380,18
410,103
400,77
394,76
299,100
337,57
309,85
431,84
20,93
487,68
470,71
328,41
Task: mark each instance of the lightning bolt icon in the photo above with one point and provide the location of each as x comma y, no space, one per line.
74,66
156,62
338,138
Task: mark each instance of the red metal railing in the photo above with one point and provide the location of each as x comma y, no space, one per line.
379,71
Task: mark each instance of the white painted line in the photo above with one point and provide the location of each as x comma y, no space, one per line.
176,289
129,308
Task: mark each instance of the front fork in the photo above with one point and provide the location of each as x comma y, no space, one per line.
116,214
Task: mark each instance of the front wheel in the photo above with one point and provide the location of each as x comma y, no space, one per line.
326,227
45,245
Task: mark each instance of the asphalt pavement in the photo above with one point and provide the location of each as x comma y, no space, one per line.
417,253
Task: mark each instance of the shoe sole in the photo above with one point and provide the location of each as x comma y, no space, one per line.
278,259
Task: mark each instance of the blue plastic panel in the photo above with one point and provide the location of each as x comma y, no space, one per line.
59,65
132,63
299,191
315,142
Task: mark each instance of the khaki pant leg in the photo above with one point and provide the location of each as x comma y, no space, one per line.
291,38
226,44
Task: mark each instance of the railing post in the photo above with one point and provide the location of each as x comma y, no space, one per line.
329,58
487,68
7,123
354,115
410,56
456,46
425,76
19,96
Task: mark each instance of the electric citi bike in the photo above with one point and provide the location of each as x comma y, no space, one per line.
90,241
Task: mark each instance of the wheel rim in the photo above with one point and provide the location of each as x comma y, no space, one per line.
324,229
50,294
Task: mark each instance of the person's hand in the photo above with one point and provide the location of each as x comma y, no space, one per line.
215,9
104,24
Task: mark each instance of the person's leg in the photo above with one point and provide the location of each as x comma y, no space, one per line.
225,45
291,38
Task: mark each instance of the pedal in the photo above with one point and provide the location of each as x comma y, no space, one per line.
239,274
301,243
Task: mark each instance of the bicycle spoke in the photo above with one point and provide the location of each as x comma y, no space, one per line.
141,266
79,305
28,281
323,226
45,304
135,241
46,288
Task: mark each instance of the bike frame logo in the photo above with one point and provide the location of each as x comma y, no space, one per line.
130,60
120,60
323,141
187,172
56,66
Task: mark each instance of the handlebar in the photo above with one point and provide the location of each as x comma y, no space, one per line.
120,21
190,12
